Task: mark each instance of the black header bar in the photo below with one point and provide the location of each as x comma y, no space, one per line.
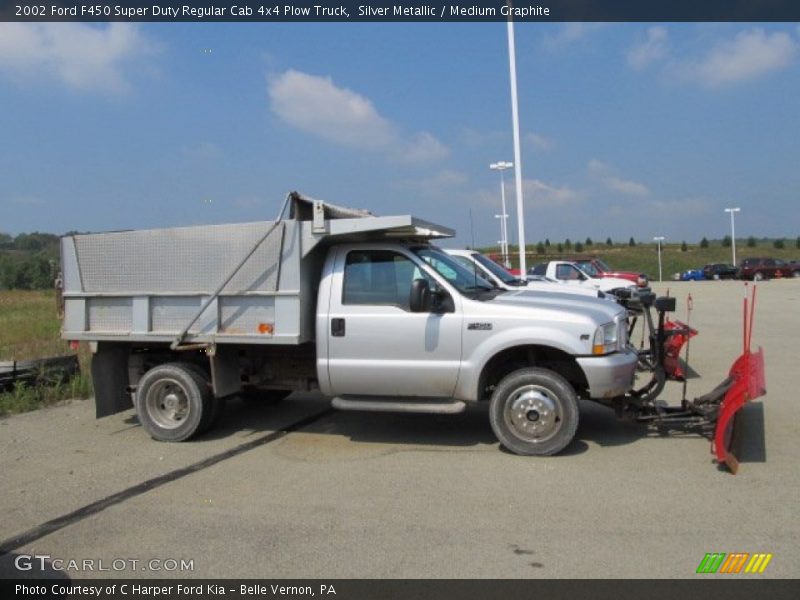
378,11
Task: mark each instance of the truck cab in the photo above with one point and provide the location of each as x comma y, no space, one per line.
573,275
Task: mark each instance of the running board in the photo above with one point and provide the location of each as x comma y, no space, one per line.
378,404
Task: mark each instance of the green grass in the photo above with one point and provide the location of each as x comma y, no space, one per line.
29,329
643,258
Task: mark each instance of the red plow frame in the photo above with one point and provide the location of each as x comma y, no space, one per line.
747,382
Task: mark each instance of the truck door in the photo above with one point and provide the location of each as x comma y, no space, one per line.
376,345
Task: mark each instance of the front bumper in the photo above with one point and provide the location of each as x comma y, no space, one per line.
610,375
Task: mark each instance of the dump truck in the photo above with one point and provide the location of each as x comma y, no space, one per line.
366,309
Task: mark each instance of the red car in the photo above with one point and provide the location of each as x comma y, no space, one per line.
597,268
767,268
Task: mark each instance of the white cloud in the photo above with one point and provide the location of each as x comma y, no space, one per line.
318,106
604,173
538,193
80,56
749,55
422,147
539,141
568,34
653,49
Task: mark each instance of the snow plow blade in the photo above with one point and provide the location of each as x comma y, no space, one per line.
746,381
714,414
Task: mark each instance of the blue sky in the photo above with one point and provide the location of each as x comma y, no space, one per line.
628,129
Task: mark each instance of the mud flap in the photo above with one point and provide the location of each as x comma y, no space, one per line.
748,382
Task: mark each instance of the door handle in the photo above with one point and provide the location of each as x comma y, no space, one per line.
337,327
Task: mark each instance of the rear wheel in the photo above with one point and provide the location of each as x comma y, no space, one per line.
796,273
534,411
174,402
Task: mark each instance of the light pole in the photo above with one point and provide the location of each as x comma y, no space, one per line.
658,240
512,67
733,233
502,166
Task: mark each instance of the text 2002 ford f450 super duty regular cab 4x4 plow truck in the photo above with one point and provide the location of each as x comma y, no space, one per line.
361,307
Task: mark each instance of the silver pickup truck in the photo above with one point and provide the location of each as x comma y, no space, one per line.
364,308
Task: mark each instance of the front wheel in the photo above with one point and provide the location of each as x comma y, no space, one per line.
534,411
758,276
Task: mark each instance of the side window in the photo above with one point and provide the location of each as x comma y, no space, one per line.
565,272
540,269
378,277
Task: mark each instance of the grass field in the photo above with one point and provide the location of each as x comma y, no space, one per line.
30,328
643,258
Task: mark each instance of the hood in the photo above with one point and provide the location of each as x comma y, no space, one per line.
600,310
557,287
610,283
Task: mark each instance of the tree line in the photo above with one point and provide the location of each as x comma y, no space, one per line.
547,247
28,261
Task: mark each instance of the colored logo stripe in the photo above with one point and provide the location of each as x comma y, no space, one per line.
711,562
734,563
720,562
758,563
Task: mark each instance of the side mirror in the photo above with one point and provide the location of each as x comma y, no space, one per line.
419,299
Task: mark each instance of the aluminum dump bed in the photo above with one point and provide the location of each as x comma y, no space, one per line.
149,285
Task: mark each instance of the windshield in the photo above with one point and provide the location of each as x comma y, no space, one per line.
494,268
465,281
588,268
604,266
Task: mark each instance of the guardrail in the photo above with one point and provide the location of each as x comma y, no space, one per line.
42,370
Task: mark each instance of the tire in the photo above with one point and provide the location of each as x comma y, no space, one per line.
217,404
758,276
534,412
174,402
795,273
716,277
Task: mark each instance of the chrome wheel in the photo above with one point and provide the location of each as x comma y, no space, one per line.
533,413
167,403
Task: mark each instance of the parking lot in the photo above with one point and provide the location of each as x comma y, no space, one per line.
298,490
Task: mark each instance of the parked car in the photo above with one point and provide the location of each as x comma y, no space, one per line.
758,269
596,267
690,275
720,271
489,270
572,274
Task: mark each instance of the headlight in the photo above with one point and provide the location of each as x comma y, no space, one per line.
605,339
